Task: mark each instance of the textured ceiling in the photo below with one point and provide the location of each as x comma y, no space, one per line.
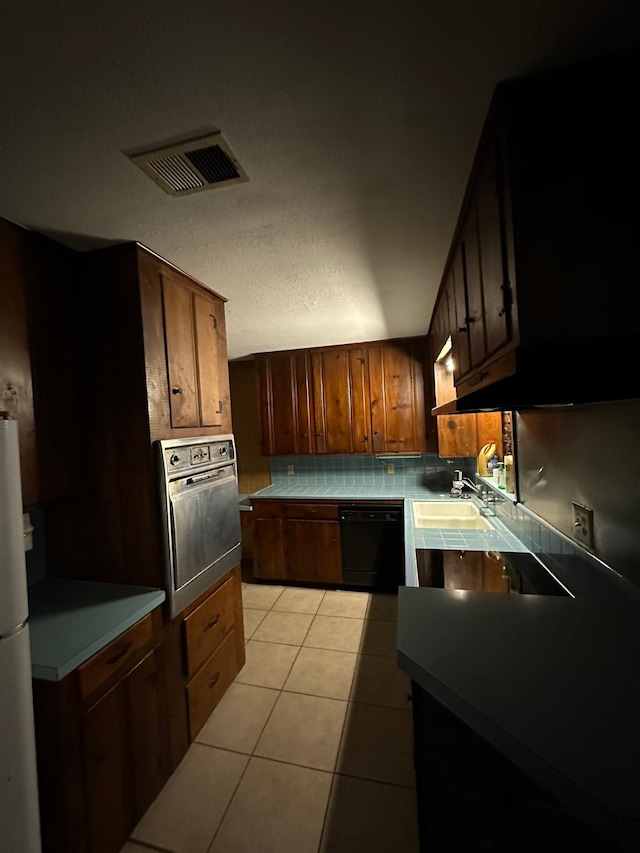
356,123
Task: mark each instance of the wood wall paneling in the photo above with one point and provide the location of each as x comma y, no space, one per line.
254,472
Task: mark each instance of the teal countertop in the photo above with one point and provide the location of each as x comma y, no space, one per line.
548,680
70,620
498,539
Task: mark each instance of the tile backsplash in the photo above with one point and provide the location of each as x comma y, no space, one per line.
427,469
581,571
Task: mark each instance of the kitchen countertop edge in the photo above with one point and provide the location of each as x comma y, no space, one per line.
69,621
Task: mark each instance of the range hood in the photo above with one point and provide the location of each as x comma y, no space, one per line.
563,375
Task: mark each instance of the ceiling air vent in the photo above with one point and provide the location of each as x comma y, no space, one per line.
192,166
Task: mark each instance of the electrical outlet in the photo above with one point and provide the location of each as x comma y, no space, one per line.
391,468
583,525
289,469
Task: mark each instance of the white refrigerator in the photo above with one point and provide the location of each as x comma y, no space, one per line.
19,812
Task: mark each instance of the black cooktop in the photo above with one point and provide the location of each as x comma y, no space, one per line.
506,572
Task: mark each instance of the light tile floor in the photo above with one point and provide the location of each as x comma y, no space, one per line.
310,749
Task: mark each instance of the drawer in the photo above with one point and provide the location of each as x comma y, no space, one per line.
119,656
304,510
205,689
267,509
208,625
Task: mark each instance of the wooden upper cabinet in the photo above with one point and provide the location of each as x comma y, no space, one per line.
552,190
341,400
181,353
496,292
210,358
396,383
473,288
465,435
458,316
194,362
286,408
347,399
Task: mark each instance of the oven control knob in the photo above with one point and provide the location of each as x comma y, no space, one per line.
222,451
174,459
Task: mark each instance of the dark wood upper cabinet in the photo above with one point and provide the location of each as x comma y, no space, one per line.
286,407
341,400
362,398
396,381
547,234
195,355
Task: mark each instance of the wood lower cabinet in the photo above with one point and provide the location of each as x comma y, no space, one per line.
312,543
471,797
297,541
103,743
205,651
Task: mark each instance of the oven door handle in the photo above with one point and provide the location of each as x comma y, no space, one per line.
208,475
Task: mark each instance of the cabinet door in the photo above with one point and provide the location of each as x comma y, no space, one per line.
341,401
268,548
208,360
16,395
148,732
457,435
106,779
286,410
495,288
473,284
458,317
312,550
396,382
181,360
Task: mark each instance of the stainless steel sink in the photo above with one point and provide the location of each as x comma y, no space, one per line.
449,515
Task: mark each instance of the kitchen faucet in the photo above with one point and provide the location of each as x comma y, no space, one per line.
458,484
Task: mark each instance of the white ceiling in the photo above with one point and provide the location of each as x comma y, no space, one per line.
356,123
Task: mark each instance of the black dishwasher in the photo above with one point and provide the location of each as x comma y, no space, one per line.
372,546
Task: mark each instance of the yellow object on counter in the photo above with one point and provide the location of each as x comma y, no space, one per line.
484,456
510,479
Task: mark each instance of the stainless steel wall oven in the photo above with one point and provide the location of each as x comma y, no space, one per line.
200,515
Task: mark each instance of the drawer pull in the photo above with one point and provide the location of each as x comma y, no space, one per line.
213,681
120,654
213,622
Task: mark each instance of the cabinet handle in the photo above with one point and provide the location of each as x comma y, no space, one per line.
462,329
120,654
213,622
176,390
219,409
502,313
214,680
469,320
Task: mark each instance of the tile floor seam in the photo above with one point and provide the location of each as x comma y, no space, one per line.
326,810
147,846
289,764
379,781
231,798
